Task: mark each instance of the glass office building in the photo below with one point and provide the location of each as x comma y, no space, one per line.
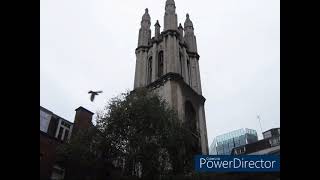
223,144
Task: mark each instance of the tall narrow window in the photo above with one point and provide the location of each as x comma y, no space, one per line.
160,64
63,130
66,135
149,70
191,125
60,133
180,58
189,71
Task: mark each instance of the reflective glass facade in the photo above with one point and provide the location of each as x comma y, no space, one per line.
223,144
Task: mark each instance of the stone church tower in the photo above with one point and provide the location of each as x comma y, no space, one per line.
168,64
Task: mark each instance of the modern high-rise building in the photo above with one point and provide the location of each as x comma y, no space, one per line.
168,64
223,144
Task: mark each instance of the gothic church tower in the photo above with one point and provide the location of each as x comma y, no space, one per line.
168,64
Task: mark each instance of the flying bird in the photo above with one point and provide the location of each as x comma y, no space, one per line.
93,94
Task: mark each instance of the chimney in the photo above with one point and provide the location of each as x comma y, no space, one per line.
82,120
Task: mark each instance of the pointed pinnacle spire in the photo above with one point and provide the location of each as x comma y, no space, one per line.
146,15
188,22
157,23
180,26
170,2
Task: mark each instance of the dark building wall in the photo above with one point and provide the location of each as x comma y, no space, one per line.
49,144
48,147
188,104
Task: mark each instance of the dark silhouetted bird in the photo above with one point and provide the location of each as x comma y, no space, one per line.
93,94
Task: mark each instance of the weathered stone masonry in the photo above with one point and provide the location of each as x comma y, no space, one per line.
168,63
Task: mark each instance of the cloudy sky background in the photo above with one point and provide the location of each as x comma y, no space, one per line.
90,44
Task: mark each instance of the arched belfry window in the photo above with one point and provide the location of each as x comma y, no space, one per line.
189,71
191,124
190,117
160,64
149,68
181,65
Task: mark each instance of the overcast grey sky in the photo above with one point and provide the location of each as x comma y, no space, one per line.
90,44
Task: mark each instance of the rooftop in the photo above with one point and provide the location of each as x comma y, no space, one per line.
82,108
54,115
235,133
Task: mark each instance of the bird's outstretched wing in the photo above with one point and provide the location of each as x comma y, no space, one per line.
98,91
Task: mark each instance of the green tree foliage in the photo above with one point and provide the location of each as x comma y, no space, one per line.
137,132
81,158
143,131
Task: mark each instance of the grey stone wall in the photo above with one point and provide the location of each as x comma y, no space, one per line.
176,93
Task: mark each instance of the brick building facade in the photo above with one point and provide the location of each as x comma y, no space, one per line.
55,130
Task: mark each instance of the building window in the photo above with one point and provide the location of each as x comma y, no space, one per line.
66,135
239,151
181,66
189,71
191,125
190,117
274,141
65,124
64,130
60,133
53,126
267,135
44,121
149,70
160,64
